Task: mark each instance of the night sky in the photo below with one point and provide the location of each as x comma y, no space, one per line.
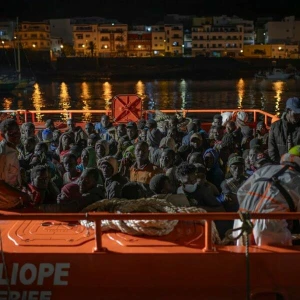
145,11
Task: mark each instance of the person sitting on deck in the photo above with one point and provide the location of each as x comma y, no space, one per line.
142,170
78,132
161,186
113,180
103,126
10,179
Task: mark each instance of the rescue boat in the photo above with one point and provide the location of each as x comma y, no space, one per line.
55,256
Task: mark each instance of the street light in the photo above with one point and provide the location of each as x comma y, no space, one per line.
33,45
61,46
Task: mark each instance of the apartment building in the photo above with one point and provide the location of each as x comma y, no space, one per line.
112,40
217,41
286,31
174,40
34,35
139,41
158,40
85,39
249,32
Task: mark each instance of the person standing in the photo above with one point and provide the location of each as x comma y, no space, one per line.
285,133
10,177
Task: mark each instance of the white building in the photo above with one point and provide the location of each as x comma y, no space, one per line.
285,31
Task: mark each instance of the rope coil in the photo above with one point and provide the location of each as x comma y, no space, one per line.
143,227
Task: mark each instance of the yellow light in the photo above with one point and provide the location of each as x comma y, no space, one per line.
2,42
279,48
242,51
61,46
33,45
83,46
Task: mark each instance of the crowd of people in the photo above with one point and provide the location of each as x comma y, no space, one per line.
230,167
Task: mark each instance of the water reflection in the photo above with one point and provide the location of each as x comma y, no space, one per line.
183,92
38,102
85,97
241,92
64,101
107,94
162,94
140,89
278,87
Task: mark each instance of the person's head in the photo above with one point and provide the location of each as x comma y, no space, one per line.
151,124
105,121
27,130
108,166
88,179
10,131
196,140
210,157
160,184
198,123
69,192
167,158
173,133
56,135
49,124
293,110
195,157
252,155
133,190
85,156
173,122
69,162
66,141
121,130
167,142
93,139
71,124
101,148
132,130
143,134
262,159
236,166
217,120
186,173
261,128
41,148
47,135
89,128
29,144
230,126
217,132
40,176
247,136
141,152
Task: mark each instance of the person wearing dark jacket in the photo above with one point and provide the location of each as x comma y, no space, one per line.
114,181
285,133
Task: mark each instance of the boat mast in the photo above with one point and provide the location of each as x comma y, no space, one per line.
19,58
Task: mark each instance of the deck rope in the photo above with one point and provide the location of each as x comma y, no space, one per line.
143,227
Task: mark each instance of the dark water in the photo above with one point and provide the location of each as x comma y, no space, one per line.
161,94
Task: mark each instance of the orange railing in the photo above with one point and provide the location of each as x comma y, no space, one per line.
30,115
97,217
